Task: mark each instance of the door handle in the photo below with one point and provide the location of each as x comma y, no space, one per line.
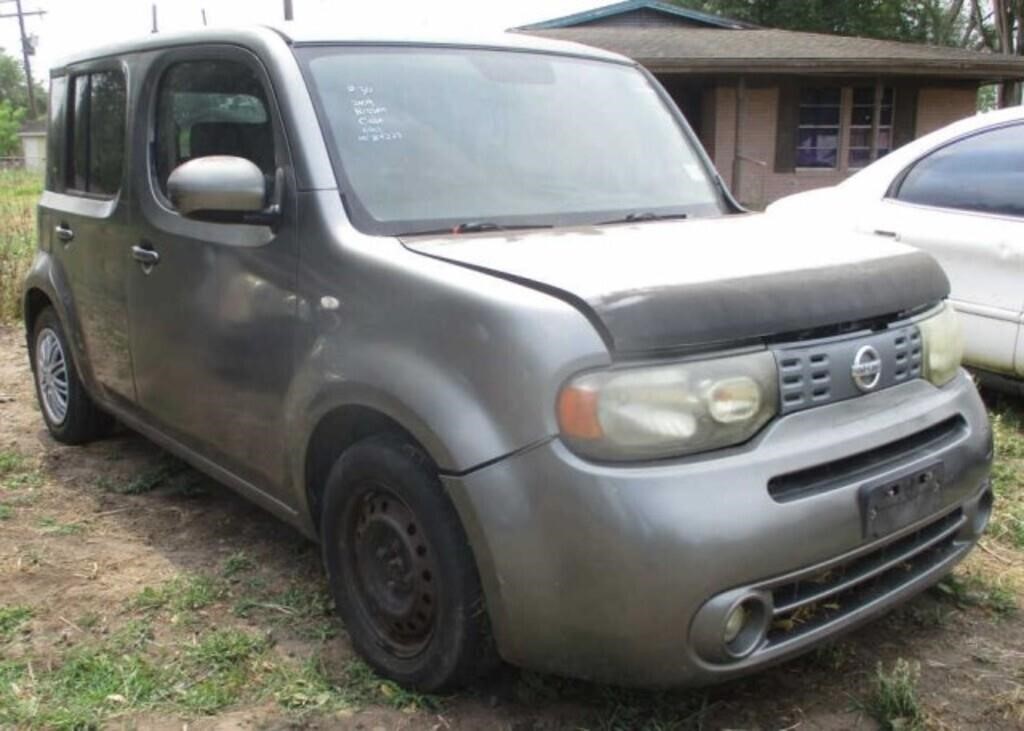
64,232
146,256
887,234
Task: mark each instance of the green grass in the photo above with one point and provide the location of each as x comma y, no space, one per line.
182,594
17,472
12,617
53,527
893,699
976,590
19,193
1008,473
145,481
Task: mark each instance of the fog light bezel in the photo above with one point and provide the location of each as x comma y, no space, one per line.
708,630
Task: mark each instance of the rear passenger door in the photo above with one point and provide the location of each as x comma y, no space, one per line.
964,204
213,319
85,215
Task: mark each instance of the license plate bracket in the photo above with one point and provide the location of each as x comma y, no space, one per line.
896,502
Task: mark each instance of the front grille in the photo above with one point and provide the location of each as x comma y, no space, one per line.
820,373
815,599
861,466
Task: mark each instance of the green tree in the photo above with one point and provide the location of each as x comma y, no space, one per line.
12,84
922,21
10,123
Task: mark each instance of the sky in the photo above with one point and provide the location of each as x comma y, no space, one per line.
72,25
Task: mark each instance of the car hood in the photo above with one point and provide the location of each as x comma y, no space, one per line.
679,284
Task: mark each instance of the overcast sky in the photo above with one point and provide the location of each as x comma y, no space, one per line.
70,25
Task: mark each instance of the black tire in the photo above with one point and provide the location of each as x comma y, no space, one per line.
82,420
401,570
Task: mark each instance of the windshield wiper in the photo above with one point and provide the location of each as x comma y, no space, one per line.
647,216
476,227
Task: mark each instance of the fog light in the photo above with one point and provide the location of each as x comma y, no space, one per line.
735,623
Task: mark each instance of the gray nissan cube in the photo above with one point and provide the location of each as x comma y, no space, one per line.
480,317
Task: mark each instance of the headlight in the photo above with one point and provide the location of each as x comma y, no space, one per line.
668,411
943,345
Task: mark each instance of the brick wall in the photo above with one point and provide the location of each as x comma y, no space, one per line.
759,184
938,107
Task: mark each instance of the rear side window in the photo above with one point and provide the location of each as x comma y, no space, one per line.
96,133
211,108
983,173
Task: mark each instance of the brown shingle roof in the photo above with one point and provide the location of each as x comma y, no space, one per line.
781,51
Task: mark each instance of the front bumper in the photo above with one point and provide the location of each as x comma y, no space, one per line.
601,571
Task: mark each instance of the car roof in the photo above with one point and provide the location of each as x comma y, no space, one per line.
299,34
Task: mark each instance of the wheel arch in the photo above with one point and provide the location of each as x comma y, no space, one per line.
335,431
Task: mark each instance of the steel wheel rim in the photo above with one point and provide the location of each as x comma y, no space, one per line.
392,565
52,374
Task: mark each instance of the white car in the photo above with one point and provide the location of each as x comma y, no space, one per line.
957,193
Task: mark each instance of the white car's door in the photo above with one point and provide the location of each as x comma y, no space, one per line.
964,203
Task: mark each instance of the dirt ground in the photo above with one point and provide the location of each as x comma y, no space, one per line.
100,536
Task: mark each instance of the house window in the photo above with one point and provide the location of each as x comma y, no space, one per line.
819,128
862,115
836,125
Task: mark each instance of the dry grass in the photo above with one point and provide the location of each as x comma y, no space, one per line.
19,193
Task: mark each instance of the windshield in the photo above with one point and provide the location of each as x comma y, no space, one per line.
428,139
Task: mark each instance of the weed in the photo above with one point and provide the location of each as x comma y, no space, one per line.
236,563
16,472
12,617
893,700
19,192
187,593
221,669
1008,474
974,590
147,481
6,511
52,526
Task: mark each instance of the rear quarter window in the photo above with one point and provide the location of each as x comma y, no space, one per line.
96,133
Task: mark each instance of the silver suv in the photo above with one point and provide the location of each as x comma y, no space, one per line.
482,319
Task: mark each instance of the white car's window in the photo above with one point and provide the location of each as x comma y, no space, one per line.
983,173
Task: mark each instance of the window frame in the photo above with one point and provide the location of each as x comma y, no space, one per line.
198,53
70,74
846,107
893,191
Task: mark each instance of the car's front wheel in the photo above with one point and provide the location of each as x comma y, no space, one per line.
70,414
401,570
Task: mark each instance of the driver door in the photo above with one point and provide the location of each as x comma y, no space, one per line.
213,304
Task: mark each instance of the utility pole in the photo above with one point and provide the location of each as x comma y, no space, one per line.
156,28
26,50
288,14
204,16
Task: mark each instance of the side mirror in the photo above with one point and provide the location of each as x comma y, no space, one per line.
222,188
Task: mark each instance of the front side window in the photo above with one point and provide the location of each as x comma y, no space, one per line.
96,130
983,173
215,107
430,138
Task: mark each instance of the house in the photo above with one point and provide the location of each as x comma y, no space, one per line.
778,111
33,144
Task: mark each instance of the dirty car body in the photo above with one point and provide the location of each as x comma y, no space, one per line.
682,442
